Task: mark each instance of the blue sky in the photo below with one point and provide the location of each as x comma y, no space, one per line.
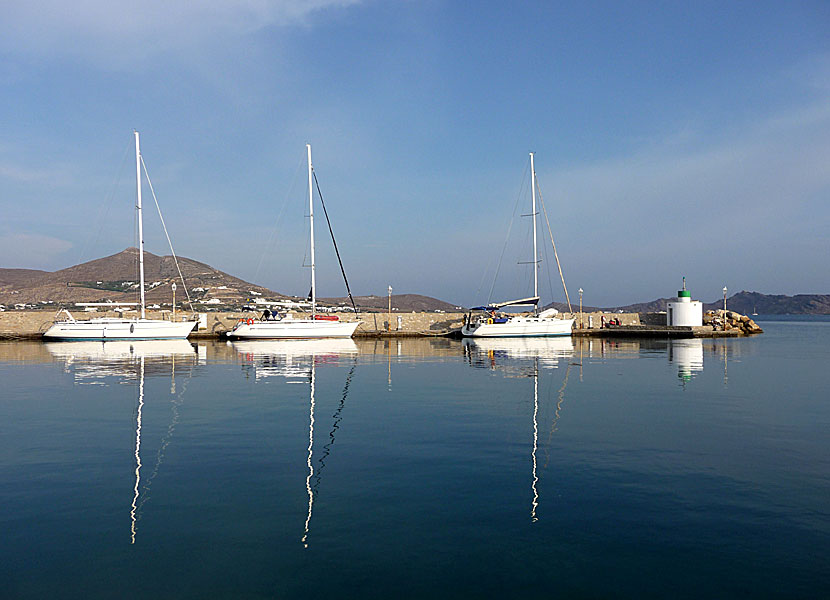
671,139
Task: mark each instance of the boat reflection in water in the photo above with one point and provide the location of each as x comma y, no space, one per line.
294,359
525,357
131,361
688,356
291,358
509,353
92,362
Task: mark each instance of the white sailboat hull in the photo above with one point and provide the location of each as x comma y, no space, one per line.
519,327
119,329
293,329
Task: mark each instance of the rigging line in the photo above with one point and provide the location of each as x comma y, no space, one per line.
507,237
547,270
277,222
555,253
167,235
483,276
523,277
136,276
336,251
102,217
307,242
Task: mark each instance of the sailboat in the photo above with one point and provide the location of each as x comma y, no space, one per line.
318,326
487,323
120,328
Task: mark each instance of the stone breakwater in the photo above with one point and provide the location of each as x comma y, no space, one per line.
32,324
731,321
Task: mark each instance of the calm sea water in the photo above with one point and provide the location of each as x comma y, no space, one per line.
418,468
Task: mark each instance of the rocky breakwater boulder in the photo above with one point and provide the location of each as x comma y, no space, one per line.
731,320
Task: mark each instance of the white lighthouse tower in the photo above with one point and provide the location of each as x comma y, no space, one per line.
684,312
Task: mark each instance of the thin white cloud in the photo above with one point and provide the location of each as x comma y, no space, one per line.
22,174
744,208
110,32
51,176
782,157
30,250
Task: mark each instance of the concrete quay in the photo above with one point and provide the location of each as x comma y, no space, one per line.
32,323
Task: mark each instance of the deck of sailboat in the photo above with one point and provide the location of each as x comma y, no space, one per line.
294,329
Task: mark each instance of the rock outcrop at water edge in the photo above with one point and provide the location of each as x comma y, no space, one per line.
731,320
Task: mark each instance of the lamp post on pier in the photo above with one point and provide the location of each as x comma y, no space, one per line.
724,307
173,287
389,327
581,324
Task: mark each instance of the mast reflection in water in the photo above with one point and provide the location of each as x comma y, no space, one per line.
95,362
292,359
524,357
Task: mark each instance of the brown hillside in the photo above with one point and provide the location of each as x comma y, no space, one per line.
19,276
402,302
71,284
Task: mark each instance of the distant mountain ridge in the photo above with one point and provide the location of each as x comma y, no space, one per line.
113,278
110,279
400,302
748,302
767,304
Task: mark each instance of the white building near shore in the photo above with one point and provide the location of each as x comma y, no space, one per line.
684,312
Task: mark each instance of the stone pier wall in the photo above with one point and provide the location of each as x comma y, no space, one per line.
593,320
32,323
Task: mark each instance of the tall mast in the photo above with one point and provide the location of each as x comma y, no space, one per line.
533,216
311,227
140,224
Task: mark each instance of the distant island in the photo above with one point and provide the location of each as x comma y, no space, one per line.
114,279
753,302
743,302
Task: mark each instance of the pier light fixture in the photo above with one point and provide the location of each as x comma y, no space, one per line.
724,307
389,325
173,287
581,325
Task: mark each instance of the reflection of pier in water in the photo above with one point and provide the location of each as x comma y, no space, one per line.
687,354
132,361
